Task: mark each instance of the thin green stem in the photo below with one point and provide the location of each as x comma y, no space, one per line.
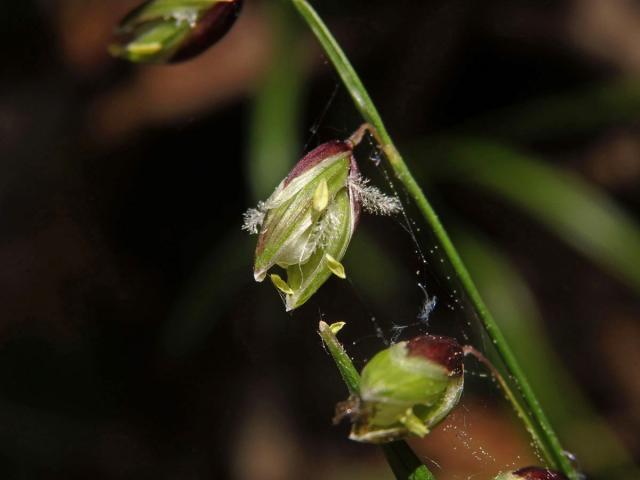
345,366
403,462
534,418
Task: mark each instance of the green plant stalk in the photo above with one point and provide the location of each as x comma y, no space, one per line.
403,462
535,421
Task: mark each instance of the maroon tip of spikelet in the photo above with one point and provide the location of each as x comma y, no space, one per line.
538,473
213,25
444,351
315,156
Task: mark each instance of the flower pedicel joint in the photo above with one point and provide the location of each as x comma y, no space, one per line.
306,225
162,31
406,389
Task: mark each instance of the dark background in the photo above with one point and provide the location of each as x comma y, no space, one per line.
133,342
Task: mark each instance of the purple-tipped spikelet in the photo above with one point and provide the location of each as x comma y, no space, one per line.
164,31
306,225
406,389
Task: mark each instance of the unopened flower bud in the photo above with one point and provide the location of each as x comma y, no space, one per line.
161,31
532,473
406,389
306,225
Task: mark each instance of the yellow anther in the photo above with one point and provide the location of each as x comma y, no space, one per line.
335,266
336,327
281,285
321,196
413,423
144,48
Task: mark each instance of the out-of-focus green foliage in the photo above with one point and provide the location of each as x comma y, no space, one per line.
208,294
577,112
577,212
274,142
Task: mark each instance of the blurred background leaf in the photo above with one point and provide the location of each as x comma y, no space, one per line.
274,144
575,211
576,112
